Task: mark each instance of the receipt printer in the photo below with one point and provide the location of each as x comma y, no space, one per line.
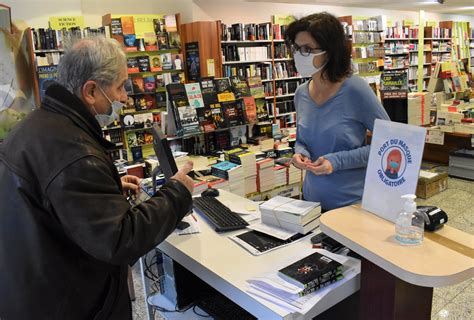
434,217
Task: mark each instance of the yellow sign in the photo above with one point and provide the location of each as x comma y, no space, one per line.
408,22
67,22
283,20
431,23
389,23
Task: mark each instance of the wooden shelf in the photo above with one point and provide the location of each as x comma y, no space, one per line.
247,41
283,79
400,68
155,72
280,96
397,54
153,51
244,62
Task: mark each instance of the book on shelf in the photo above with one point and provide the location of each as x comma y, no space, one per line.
116,29
224,90
177,61
46,76
129,41
193,91
250,108
143,64
208,90
185,116
240,87
132,65
150,41
155,63
138,84
261,108
166,61
256,87
311,271
149,84
232,114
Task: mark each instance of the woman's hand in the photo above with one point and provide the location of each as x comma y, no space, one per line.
322,166
300,161
130,184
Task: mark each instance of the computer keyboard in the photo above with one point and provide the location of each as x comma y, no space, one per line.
218,214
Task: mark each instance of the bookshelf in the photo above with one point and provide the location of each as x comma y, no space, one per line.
47,47
365,38
152,44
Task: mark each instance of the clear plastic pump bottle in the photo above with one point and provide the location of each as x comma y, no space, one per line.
409,227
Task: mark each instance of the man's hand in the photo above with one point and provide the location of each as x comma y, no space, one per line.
182,176
320,167
300,161
130,184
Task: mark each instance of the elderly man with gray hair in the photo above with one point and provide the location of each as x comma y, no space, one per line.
67,233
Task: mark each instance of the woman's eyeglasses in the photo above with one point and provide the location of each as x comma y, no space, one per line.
305,50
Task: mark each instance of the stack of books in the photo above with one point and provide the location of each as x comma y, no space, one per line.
248,162
291,214
233,173
280,173
199,187
312,273
265,175
293,174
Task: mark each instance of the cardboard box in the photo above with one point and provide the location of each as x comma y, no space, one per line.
431,183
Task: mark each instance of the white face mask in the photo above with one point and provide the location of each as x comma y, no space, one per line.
112,115
305,66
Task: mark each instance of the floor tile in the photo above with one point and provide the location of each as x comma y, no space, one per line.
454,311
450,292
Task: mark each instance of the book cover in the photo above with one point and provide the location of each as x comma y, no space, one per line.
46,77
128,26
192,61
177,77
116,29
137,153
143,64
170,23
166,61
217,115
205,119
139,121
230,112
256,87
140,137
208,90
311,270
132,65
250,109
150,101
129,105
130,42
240,87
128,86
178,97
177,61
224,90
174,40
131,139
193,91
150,41
160,99
160,81
148,137
140,103
149,84
155,63
262,113
138,84
189,120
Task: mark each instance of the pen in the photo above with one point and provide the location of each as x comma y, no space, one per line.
192,215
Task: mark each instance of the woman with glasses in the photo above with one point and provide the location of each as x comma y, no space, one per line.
334,110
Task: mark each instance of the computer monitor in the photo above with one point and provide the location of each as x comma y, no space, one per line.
163,153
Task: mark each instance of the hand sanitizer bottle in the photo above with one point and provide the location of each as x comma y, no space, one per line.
409,226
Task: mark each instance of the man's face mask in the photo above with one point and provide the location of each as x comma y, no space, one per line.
113,113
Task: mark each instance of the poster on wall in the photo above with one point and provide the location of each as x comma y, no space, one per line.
192,61
16,87
395,157
394,84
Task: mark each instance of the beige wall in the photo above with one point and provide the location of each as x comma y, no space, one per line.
36,13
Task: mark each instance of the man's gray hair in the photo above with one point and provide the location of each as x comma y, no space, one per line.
100,59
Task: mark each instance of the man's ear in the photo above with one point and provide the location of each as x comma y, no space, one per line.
88,92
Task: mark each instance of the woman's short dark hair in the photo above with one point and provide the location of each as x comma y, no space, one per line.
329,34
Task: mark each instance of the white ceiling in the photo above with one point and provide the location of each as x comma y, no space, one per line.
461,7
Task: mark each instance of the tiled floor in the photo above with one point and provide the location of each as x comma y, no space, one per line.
449,303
